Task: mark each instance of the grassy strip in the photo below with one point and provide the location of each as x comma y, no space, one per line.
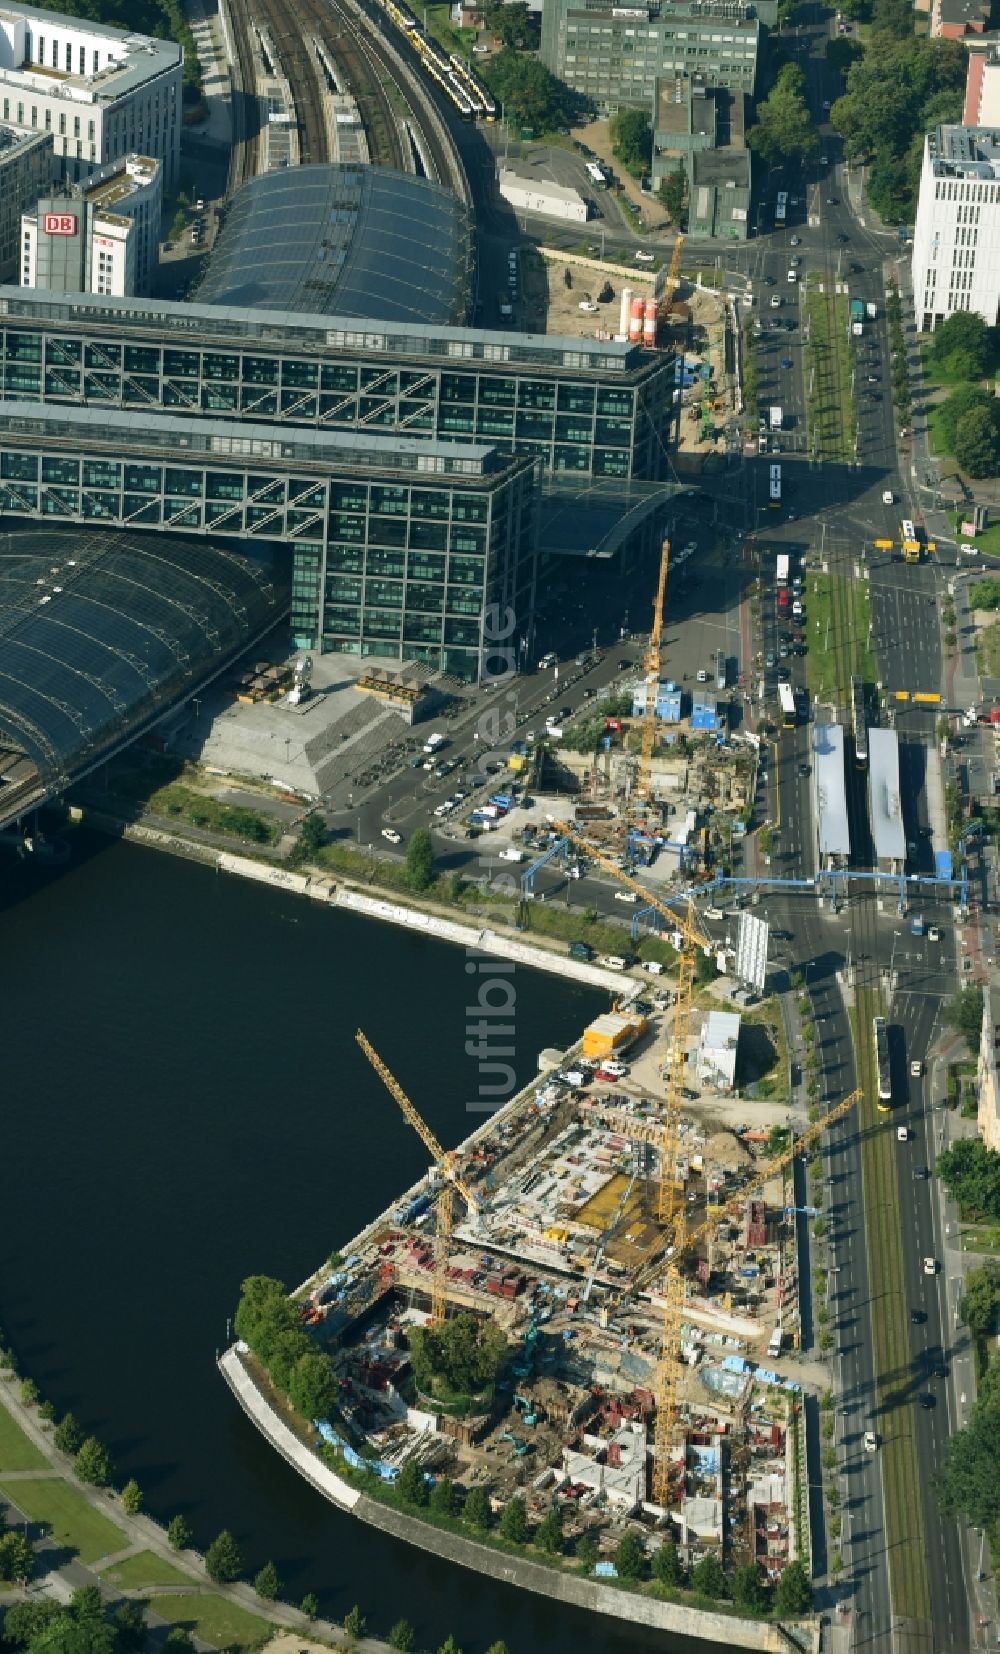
16,1451
134,1573
165,787
215,1620
829,400
906,1540
67,1515
839,616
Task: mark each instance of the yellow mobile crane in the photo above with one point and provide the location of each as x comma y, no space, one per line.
644,783
444,1160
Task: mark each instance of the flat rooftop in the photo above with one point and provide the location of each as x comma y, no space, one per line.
685,105
830,790
884,795
964,151
195,324
134,58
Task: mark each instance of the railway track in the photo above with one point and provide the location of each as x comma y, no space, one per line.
289,32
368,74
244,103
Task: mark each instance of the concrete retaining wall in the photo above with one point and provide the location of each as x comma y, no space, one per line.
484,1559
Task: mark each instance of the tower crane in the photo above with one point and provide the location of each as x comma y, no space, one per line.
673,276
668,1367
444,1160
644,784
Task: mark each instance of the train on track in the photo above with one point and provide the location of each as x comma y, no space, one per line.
881,1037
859,718
456,78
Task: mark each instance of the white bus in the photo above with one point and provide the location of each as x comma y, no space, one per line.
596,176
781,208
786,701
774,490
781,569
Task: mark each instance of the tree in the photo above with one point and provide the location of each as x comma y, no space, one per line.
977,443
793,1592
17,1557
630,1558
28,1390
93,1463
673,193
223,1560
842,52
87,1603
23,1621
179,1640
964,1012
531,96
499,1647
68,1436
477,1509
411,1484
312,834
449,1646
964,400
355,1622
132,1497
313,1389
179,1534
310,1605
667,1565
784,129
443,1499
971,1173
980,1298
549,1534
129,1621
632,140
465,1354
962,344
266,1582
514,1523
420,860
749,1587
896,91
67,1634
511,24
402,1636
707,1577
586,1551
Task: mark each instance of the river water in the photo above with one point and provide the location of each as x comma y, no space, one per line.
185,1105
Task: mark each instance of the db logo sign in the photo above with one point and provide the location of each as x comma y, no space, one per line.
60,223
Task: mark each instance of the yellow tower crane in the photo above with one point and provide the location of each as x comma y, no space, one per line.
644,783
444,1160
668,1368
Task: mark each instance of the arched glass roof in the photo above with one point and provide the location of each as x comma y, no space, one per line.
98,632
346,241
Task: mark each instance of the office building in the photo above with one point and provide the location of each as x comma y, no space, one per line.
982,88
26,172
702,128
956,238
616,54
102,93
403,547
100,236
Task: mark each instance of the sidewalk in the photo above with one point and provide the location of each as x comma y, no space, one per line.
57,1578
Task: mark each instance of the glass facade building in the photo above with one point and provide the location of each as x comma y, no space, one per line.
402,547
587,406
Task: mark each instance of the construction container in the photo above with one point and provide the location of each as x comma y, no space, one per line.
626,310
635,321
608,1033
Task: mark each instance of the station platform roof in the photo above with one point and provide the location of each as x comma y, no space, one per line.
830,791
884,796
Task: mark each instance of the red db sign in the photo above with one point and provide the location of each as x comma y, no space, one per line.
60,223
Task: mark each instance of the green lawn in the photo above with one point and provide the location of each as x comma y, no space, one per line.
214,1619
69,1518
16,1451
988,650
145,1568
987,539
829,402
984,1237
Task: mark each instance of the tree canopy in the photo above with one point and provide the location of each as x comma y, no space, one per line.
896,92
673,193
964,1011
268,1321
793,1592
980,1299
968,1483
632,140
963,345
784,128
531,96
465,1353
512,23
420,860
977,442
971,1174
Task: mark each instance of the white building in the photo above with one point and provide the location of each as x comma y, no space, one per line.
956,238
717,1048
102,93
99,237
538,195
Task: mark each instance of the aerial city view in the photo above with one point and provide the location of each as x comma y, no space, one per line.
499,812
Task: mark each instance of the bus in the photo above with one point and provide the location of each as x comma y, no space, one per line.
781,569
880,1035
786,701
911,541
596,176
774,492
781,208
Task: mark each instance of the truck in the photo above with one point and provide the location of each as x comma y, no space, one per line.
777,417
781,568
917,925
511,853
581,950
434,743
871,310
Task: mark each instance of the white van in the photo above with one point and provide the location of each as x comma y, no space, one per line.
613,961
653,966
